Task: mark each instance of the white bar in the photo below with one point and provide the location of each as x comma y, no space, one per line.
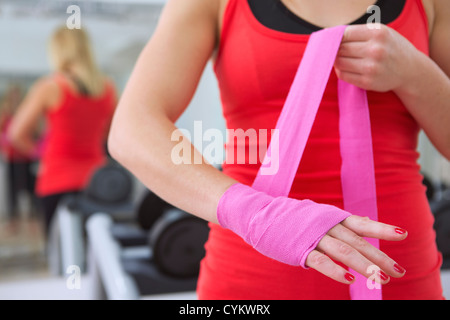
72,238
106,252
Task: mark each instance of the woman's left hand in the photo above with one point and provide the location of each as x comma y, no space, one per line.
377,59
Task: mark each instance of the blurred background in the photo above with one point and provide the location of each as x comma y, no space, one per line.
33,267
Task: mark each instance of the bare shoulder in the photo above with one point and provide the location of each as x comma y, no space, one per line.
194,17
192,10
442,10
195,11
45,83
45,86
221,11
46,90
439,39
430,11
438,12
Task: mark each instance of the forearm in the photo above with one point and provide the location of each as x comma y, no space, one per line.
426,95
140,139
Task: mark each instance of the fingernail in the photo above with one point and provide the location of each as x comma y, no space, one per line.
383,275
400,230
349,277
399,268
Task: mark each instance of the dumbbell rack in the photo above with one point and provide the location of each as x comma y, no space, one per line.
129,251
110,281
125,272
67,243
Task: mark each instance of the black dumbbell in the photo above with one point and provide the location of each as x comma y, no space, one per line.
177,241
175,237
150,209
441,212
110,184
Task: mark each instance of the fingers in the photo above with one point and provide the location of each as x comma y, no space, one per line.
357,79
345,253
371,254
323,264
352,50
345,243
362,33
365,227
352,65
356,33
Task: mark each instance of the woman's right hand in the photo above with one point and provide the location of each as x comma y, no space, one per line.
345,243
308,234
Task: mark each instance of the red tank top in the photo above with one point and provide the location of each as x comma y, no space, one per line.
255,67
75,140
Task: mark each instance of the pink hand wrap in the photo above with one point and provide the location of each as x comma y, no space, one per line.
287,230
281,228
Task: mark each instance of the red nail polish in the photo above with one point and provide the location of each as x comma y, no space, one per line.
349,277
383,275
399,269
400,230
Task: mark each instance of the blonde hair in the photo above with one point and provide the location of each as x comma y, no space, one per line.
70,51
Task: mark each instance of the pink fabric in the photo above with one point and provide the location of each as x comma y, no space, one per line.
281,228
287,229
357,171
299,111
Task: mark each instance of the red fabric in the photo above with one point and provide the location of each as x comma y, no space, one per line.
74,143
255,68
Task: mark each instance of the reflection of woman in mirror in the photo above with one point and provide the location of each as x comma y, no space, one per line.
77,101
18,164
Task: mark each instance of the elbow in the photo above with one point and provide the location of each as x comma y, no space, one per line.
14,137
446,154
444,148
114,143
117,142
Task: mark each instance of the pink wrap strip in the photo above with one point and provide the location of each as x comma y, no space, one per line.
357,170
295,123
281,228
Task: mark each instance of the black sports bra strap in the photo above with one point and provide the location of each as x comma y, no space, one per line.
275,15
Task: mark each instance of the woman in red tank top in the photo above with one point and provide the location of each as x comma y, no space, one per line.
77,102
255,66
397,173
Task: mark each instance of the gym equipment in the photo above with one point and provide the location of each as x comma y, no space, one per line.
150,209
441,211
159,253
438,194
109,185
110,190
177,240
431,188
147,211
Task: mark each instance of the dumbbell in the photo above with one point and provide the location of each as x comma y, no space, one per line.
441,211
177,241
110,184
175,237
150,208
